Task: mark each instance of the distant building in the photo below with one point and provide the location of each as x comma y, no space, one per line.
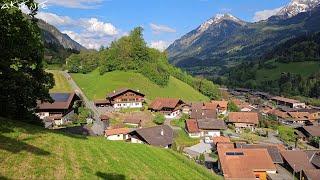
161,136
306,133
221,106
117,134
244,119
205,127
60,111
297,161
203,111
125,98
288,102
170,107
133,120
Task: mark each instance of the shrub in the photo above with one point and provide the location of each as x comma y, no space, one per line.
286,134
159,119
232,107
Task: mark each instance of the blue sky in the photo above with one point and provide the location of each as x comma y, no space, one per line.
97,22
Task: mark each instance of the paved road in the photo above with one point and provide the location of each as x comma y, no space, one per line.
98,126
89,104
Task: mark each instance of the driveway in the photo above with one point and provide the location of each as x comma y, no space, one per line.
167,122
200,148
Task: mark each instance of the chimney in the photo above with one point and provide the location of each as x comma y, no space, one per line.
114,91
138,90
162,132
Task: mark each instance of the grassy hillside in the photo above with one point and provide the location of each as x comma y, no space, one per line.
305,68
30,152
96,86
61,83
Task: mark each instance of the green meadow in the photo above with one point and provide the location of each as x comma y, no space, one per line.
31,152
97,86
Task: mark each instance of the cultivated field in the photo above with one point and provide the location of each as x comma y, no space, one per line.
96,86
30,152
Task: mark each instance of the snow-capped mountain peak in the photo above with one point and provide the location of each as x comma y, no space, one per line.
298,6
217,19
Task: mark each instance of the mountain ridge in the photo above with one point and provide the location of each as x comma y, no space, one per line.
228,43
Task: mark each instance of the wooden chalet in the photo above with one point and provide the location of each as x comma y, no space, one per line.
123,98
58,112
170,107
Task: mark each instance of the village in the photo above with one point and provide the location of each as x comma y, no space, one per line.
246,135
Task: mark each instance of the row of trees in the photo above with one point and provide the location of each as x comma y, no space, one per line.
131,53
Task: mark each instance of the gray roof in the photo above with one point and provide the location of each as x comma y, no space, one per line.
272,150
153,135
211,124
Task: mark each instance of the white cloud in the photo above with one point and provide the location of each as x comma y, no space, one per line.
160,45
55,20
88,42
80,4
93,25
265,14
157,29
92,33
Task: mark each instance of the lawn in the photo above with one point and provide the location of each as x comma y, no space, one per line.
304,68
96,86
30,152
61,83
182,140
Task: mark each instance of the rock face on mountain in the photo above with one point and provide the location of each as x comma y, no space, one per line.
225,40
208,35
297,6
52,35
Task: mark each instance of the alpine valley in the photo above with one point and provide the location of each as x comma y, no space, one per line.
225,41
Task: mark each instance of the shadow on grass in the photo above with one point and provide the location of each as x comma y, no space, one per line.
110,176
3,177
16,146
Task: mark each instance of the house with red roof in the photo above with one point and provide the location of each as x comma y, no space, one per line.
170,107
117,134
205,128
249,164
244,119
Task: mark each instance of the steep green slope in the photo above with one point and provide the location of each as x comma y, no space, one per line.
30,152
61,83
96,86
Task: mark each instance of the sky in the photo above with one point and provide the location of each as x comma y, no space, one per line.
94,23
